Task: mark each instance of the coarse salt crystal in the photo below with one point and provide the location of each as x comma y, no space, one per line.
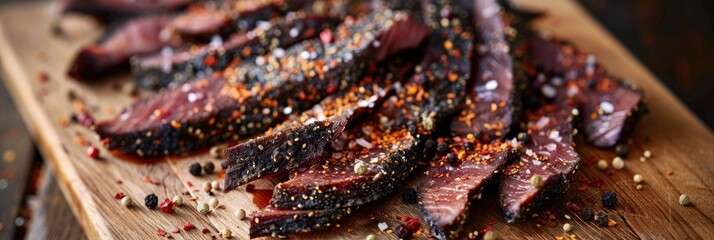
551,147
491,85
607,107
382,226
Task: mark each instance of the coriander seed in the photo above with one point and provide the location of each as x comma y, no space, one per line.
209,168
602,164
226,233
684,199
215,185
361,168
126,201
618,163
203,208
207,186
537,181
567,227
240,213
214,202
371,237
638,178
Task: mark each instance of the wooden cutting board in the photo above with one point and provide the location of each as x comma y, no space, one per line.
682,146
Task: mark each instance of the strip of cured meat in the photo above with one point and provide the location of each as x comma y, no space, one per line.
254,95
425,101
108,9
112,52
174,67
278,222
476,154
548,160
314,128
609,106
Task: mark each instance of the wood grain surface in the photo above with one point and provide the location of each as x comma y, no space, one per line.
683,159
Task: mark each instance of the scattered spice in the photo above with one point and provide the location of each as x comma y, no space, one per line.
226,233
249,187
176,230
9,156
647,154
160,232
126,201
382,226
403,232
684,200
240,213
537,181
409,195
361,168
214,202
203,208
177,200
167,206
490,235
215,185
371,237
602,164
618,163
119,195
602,219
216,152
441,148
622,150
205,231
586,214
188,226
209,168
195,169
639,187
207,186
609,199
643,159
151,201
93,152
637,178
611,223
567,227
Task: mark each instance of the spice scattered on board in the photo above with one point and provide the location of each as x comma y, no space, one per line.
684,200
151,201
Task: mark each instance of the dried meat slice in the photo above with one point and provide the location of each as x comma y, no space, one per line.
548,160
278,222
173,67
315,128
254,95
609,106
456,179
108,9
490,109
111,54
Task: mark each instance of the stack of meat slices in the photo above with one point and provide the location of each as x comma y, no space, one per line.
348,105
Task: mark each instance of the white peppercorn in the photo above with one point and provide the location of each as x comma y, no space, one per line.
126,201
203,208
177,200
602,164
684,199
214,202
618,163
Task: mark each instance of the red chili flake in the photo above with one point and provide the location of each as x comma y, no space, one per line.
378,211
670,173
104,142
167,206
590,161
119,196
210,61
583,188
371,216
597,183
188,226
574,207
349,230
326,36
413,224
118,181
491,222
93,152
176,230
205,231
189,184
552,223
160,232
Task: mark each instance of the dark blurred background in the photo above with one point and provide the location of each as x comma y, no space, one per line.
674,39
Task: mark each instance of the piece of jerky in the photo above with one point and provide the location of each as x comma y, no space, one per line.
173,67
610,107
204,112
278,222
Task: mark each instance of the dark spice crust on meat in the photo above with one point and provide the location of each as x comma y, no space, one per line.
257,94
277,152
159,70
278,222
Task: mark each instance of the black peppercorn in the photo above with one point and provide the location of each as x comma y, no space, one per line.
469,146
451,158
409,195
209,167
602,219
609,199
586,214
210,193
195,169
403,232
622,150
224,165
151,201
73,118
441,148
524,137
592,84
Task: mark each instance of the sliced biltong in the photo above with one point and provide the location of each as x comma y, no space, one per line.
112,52
278,222
173,67
204,112
106,10
609,106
